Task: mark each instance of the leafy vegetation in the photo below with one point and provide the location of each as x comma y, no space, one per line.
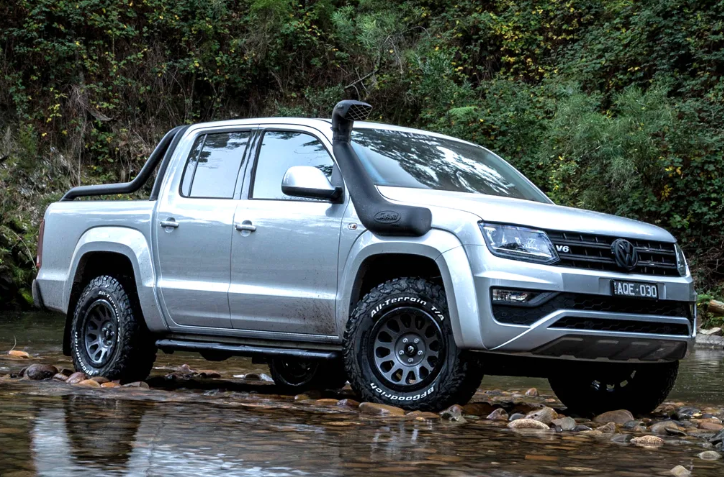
612,105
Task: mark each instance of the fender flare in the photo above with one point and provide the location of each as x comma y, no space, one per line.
132,244
448,253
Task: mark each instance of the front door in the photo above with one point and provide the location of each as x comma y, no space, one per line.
284,249
194,230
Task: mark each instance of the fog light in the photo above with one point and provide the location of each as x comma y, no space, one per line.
512,296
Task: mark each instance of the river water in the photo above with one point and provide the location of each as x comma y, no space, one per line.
231,427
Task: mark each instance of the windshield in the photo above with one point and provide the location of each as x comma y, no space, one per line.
403,159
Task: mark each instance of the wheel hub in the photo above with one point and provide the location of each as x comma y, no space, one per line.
410,349
100,332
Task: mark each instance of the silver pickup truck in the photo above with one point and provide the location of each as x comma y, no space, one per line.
405,262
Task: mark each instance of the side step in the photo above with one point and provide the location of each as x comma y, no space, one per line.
168,345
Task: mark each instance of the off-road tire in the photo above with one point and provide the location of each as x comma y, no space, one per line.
459,375
134,351
322,375
590,388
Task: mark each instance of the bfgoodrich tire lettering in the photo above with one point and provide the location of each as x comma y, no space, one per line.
452,377
131,348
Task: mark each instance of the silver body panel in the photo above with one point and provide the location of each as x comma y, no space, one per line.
285,270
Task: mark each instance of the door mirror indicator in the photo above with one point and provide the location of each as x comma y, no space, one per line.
309,182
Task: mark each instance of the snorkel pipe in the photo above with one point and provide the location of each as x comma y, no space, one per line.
376,213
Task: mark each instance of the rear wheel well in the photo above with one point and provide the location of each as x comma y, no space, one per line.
94,264
381,268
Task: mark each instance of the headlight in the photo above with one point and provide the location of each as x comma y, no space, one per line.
519,243
681,261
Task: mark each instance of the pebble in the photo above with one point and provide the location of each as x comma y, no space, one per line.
565,423
581,428
75,378
375,409
110,385
680,471
326,402
609,428
515,416
632,424
137,384
710,426
648,441
532,392
423,416
527,424
100,379
709,455
60,377
686,412
498,415
544,415
348,403
660,428
621,416
453,413
38,372
89,383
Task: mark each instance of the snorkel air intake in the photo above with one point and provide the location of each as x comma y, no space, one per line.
376,213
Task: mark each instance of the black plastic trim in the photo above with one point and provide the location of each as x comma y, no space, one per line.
245,350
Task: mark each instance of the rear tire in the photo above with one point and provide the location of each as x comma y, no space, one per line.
399,349
294,375
593,388
108,335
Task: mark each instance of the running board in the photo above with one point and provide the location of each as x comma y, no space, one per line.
167,345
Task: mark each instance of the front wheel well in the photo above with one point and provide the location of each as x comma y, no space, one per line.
90,266
380,268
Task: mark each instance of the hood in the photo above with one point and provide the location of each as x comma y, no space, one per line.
532,214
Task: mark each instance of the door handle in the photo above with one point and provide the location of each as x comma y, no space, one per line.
171,222
245,226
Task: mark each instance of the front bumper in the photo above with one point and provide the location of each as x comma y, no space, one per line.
577,333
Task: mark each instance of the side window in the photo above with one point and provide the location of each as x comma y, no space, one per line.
281,150
213,165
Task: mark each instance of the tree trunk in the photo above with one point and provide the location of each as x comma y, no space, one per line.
716,307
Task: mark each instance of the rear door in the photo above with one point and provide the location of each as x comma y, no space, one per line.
194,229
284,258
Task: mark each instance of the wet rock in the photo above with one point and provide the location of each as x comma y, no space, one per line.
661,427
717,439
609,428
309,395
374,409
266,378
565,423
498,415
648,441
593,433
528,424
478,409
632,424
60,377
137,384
348,403
66,372
18,354
423,416
515,416
89,383
100,379
250,377
680,471
544,415
326,402
38,372
709,455
110,385
75,378
581,428
453,413
303,397
622,416
532,392
686,412
710,426
209,374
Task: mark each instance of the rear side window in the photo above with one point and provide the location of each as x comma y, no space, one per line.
281,150
213,165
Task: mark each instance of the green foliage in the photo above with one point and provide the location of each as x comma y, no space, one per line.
609,105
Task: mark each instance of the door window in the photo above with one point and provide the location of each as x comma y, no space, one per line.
213,165
281,150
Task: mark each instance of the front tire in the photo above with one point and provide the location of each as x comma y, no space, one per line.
108,335
399,349
592,388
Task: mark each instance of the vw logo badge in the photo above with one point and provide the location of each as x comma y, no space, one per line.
625,254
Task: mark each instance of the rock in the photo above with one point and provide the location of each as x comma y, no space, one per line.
621,438
110,385
348,403
303,397
374,409
544,415
622,416
680,471
648,441
609,428
89,383
326,402
453,413
75,378
632,424
709,455
565,423
100,379
532,392
266,378
18,354
478,409
498,415
423,416
660,427
593,433
711,331
311,394
686,412
581,428
137,384
515,416
710,426
209,374
38,372
251,377
60,377
717,438
528,424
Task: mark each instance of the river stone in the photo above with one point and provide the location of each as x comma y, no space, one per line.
266,378
717,438
326,402
527,424
60,377
661,427
75,378
532,392
137,384
515,416
422,415
565,423
348,403
609,428
581,428
686,412
38,372
453,413
622,416
110,385
15,353
89,383
544,415
632,424
498,415
680,471
374,409
710,426
709,455
100,379
648,441
478,409
209,374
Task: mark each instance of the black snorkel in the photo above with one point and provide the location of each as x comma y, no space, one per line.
376,213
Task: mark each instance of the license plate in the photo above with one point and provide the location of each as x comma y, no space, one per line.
635,289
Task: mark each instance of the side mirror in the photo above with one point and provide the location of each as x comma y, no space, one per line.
309,182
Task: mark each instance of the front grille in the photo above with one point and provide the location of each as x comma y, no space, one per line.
593,252
624,326
522,315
